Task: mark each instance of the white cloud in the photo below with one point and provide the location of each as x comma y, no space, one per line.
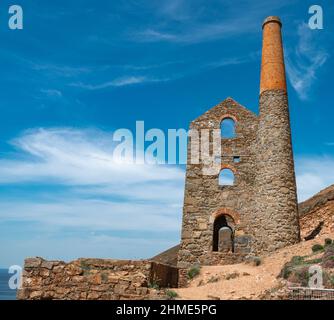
195,34
95,194
313,174
59,70
305,61
119,82
188,22
76,157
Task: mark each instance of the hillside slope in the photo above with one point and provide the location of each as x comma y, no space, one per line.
243,281
317,210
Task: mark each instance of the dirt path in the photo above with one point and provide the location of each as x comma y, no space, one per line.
241,281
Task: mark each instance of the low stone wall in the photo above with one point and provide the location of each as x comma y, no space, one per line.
164,276
91,279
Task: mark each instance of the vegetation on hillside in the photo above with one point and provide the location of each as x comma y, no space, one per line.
297,270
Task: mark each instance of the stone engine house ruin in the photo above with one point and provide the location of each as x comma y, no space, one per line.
255,210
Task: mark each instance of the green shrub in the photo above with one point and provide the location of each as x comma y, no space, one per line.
328,241
313,261
193,272
290,266
317,248
171,294
297,260
257,261
302,275
286,271
153,285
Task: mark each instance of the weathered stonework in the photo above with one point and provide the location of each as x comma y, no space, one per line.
94,279
260,208
205,200
276,210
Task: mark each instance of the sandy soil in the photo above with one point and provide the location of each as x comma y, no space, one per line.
242,281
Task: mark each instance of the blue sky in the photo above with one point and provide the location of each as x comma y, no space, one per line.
81,69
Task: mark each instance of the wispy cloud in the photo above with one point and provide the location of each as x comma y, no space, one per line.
304,62
314,173
119,82
59,70
230,61
95,194
181,22
195,34
76,157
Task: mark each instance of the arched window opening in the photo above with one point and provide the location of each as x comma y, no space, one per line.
223,235
226,178
227,128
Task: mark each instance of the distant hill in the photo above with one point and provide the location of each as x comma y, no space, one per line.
168,257
318,200
318,210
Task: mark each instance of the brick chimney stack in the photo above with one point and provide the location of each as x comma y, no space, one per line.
272,68
276,207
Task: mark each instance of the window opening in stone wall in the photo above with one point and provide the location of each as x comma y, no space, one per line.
236,159
227,128
226,178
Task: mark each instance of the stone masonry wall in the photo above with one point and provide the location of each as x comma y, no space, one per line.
88,279
205,199
275,214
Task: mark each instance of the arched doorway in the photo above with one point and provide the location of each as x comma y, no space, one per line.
223,234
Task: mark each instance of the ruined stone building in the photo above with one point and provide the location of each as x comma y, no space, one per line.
257,212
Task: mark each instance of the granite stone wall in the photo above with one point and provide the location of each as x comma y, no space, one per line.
275,213
94,279
205,200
